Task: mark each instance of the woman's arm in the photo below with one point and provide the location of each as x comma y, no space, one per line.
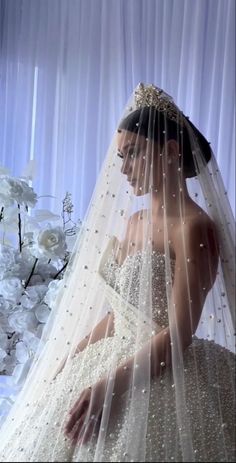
104,329
195,273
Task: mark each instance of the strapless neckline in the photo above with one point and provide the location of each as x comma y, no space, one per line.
139,252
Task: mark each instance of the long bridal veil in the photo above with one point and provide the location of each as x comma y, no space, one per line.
117,267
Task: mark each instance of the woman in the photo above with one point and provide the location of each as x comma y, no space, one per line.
152,268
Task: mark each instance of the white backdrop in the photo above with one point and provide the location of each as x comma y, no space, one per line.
68,67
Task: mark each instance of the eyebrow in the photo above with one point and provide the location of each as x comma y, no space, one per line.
128,145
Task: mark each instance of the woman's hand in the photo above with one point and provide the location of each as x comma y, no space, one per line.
85,415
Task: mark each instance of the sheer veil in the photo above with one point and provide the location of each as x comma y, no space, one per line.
159,196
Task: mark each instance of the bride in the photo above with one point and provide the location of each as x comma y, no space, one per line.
137,360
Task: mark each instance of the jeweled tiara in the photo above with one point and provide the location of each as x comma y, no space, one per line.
150,95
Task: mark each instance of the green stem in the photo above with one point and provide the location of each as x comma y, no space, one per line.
19,228
1,213
58,273
31,273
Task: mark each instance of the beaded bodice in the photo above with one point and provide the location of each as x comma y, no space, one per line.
137,276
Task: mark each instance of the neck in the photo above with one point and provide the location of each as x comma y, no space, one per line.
171,198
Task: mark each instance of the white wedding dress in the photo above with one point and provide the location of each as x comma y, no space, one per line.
43,440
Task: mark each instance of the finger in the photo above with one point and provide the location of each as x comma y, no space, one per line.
91,429
83,435
76,404
77,427
75,416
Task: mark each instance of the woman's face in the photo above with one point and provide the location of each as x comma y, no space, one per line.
137,153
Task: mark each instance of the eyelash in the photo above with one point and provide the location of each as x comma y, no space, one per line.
130,153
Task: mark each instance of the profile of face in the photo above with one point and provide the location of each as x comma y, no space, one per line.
137,154
144,163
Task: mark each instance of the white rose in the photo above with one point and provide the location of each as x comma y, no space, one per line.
28,239
31,341
50,243
4,305
3,340
11,289
26,302
13,189
8,264
10,362
6,273
42,313
11,218
3,354
39,331
25,261
29,197
21,321
22,352
5,192
7,256
36,293
4,321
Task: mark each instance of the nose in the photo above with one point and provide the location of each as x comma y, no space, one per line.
126,166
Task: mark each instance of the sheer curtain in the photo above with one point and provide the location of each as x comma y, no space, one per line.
68,66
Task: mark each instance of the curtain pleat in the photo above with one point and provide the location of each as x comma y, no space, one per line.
68,66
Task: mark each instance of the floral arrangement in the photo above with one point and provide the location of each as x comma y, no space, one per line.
33,257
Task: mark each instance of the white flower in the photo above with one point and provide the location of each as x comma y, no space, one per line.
31,341
3,354
4,321
29,197
11,289
36,293
8,264
25,260
3,340
42,313
21,321
5,190
13,189
50,243
7,256
4,305
10,221
10,361
20,372
22,353
39,330
26,302
53,289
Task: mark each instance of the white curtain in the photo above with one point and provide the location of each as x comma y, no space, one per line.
68,66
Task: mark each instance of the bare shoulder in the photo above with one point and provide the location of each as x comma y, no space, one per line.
198,232
138,215
136,219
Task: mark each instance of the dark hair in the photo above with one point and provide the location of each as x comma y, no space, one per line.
154,124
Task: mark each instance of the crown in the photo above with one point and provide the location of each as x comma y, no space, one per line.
149,95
